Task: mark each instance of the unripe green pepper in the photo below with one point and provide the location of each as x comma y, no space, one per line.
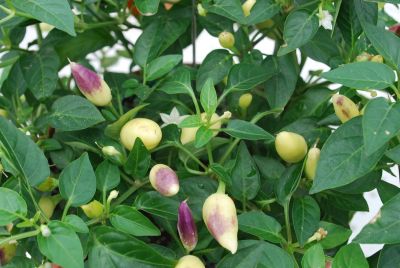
145,129
345,108
226,39
245,101
48,185
200,9
164,180
312,162
93,209
290,146
219,215
47,205
189,261
7,252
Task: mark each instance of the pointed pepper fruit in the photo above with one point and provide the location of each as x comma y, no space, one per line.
226,39
164,180
312,162
93,209
290,146
247,6
219,215
91,85
186,227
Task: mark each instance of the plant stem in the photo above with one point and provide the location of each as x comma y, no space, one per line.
65,211
210,155
221,187
189,153
287,222
129,192
6,240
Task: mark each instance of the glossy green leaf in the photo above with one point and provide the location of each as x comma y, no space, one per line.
12,206
76,223
62,246
305,215
343,158
350,255
129,220
300,27
41,72
384,227
337,235
246,130
138,161
389,256
208,97
191,121
178,83
362,75
57,13
245,175
78,181
154,203
253,253
111,248
246,76
379,123
314,257
70,113
147,7
394,154
203,136
23,154
261,225
161,66
215,66
387,191
288,183
107,176
222,173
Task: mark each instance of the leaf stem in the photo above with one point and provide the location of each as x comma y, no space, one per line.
190,154
287,222
137,185
65,211
6,240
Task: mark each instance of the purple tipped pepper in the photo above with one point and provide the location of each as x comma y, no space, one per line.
186,227
92,86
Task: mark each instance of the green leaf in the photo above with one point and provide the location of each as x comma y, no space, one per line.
41,72
253,253
389,256
23,154
114,129
362,75
305,215
384,227
71,113
78,181
245,76
385,42
222,173
337,235
107,176
57,13
147,7
208,97
261,225
314,257
280,87
203,136
178,83
343,158
76,223
245,175
111,248
161,66
154,203
191,121
129,220
350,255
387,191
12,206
62,247
288,183
148,46
215,66
300,27
379,123
247,130
138,161
394,154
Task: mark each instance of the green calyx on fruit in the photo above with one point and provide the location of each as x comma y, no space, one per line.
93,209
226,39
189,261
164,180
290,146
48,185
145,129
312,162
345,108
247,6
219,215
7,252
200,9
245,101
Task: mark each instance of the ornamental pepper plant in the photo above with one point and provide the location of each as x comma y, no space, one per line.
119,150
